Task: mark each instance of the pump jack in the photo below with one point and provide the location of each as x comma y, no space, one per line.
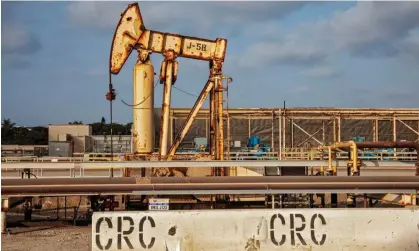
131,34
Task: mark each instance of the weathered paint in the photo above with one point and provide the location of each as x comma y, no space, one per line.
128,31
220,121
3,222
131,32
164,129
267,229
191,117
182,46
4,209
143,108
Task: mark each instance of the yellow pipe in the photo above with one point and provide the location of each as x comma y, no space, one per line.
351,144
330,158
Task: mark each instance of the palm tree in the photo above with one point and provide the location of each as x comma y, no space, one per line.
7,124
7,128
102,124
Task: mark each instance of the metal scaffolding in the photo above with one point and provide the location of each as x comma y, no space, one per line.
286,128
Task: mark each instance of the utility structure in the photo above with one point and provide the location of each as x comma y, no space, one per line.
130,35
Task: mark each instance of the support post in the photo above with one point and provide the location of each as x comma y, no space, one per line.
283,131
272,128
171,129
280,134
4,209
212,123
168,74
339,129
248,126
220,117
334,130
189,120
395,135
375,130
292,133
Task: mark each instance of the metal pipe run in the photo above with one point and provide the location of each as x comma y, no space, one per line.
127,185
194,187
392,144
207,180
389,144
348,144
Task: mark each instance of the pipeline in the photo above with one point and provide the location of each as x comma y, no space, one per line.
392,144
128,185
207,180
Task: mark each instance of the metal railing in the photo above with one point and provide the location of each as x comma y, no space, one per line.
103,169
286,154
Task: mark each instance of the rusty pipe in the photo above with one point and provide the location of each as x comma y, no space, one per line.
220,119
212,136
168,75
393,144
389,144
191,117
129,188
206,180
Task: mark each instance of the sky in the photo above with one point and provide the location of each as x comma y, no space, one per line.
54,56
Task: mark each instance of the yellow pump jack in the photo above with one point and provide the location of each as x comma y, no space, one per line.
131,34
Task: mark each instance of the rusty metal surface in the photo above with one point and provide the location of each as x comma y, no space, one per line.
143,108
184,46
210,180
164,130
254,230
316,112
128,31
210,188
212,128
191,117
220,119
196,185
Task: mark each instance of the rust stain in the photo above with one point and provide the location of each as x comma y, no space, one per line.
142,181
252,244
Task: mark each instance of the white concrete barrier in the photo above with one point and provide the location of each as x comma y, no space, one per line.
251,230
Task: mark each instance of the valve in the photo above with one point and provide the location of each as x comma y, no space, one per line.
111,95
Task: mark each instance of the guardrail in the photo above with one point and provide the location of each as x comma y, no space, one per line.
290,155
13,170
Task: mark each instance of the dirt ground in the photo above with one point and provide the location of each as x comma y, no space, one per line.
44,235
65,238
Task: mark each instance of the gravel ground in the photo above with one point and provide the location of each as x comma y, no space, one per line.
44,235
66,238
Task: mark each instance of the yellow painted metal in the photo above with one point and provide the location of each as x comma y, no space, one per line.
143,108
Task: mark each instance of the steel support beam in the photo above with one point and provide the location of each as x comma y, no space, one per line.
191,117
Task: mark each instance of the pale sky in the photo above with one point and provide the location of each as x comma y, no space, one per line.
311,54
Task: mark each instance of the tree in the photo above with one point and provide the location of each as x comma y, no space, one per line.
76,123
39,135
7,131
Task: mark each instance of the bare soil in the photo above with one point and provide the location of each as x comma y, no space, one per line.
64,238
41,235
